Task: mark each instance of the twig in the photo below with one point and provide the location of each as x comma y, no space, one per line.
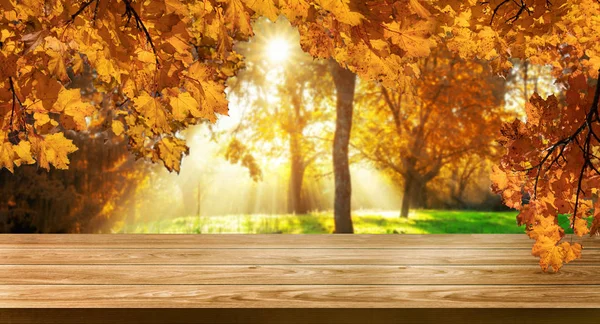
130,11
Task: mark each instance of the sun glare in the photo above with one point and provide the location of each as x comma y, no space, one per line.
278,50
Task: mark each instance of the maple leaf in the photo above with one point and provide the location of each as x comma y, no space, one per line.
52,150
208,93
177,7
550,254
22,153
152,112
412,37
171,152
581,227
342,11
572,251
183,104
264,8
74,110
6,156
117,127
237,18
56,65
295,9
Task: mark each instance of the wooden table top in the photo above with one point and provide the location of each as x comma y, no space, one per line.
289,271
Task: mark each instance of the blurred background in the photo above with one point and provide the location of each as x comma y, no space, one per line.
420,155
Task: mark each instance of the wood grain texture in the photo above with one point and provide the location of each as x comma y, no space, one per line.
47,256
298,296
295,275
288,271
174,241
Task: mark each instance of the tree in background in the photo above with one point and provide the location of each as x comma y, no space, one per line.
287,107
464,184
525,79
449,111
345,83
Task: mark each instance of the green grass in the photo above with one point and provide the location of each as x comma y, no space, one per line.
365,222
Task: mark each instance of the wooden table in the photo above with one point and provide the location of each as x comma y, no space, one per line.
290,279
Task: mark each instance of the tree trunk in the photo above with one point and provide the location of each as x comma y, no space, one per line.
406,197
345,82
419,194
415,192
295,202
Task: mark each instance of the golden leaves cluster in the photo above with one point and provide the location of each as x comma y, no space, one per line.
161,65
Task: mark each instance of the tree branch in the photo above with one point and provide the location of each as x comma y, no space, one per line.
130,11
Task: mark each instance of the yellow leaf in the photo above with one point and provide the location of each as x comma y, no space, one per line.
581,226
56,65
146,57
572,252
550,254
210,94
294,8
77,64
171,151
342,11
117,127
23,153
74,110
411,36
6,155
152,112
237,18
52,150
177,7
183,105
419,9
264,8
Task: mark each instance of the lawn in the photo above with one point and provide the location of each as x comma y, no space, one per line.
365,222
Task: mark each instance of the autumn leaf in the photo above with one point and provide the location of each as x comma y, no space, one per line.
171,152
117,127
342,11
412,37
52,150
572,251
74,110
264,8
209,94
152,112
237,18
22,153
56,65
6,156
581,227
184,104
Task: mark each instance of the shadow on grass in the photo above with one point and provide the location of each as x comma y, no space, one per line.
365,222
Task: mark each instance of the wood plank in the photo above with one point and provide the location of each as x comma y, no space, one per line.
265,241
275,256
303,241
295,275
300,316
292,296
